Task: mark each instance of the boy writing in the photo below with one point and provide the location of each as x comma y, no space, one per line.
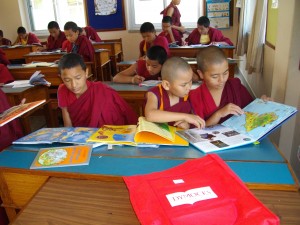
56,37
77,43
89,104
26,38
217,97
172,35
148,69
168,102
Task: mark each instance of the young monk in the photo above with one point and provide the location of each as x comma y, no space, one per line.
148,33
168,102
172,35
26,38
148,69
89,104
218,97
90,33
56,37
5,75
204,34
3,40
77,43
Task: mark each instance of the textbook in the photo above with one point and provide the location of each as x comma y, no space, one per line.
144,133
40,64
74,135
36,79
17,111
76,155
260,118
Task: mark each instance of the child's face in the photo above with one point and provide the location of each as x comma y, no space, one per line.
202,29
153,66
71,35
216,75
166,27
22,36
181,86
75,79
148,36
176,2
54,32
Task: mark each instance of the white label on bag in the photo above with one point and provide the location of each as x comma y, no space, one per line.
191,196
178,181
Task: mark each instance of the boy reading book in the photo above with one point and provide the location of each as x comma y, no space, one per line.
218,97
168,102
144,69
89,104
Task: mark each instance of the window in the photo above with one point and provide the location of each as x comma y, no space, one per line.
141,11
41,12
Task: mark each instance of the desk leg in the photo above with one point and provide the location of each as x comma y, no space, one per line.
113,60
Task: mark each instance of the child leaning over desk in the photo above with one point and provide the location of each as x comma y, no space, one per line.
89,104
219,96
144,69
168,102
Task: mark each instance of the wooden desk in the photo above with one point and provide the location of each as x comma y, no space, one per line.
102,64
115,52
19,52
71,201
43,57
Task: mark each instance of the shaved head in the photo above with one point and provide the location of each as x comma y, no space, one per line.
172,67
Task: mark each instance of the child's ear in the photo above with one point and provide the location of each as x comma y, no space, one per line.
200,74
165,84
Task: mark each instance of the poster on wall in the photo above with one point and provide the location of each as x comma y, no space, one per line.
105,15
218,12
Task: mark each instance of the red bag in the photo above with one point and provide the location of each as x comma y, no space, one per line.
200,191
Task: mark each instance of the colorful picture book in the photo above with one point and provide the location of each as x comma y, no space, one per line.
259,119
75,135
17,111
143,133
76,155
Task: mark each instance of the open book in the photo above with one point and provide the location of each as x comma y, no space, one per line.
36,79
259,119
74,135
17,111
62,156
144,133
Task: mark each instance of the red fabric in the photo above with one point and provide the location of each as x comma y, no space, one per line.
3,59
5,75
176,34
142,71
233,92
91,34
160,41
53,44
32,39
99,105
214,35
5,41
84,46
12,130
176,14
234,203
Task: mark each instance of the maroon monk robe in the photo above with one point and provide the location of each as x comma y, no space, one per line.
5,41
5,75
204,105
99,105
142,71
84,48
160,41
10,131
176,14
215,35
31,39
53,44
91,34
176,34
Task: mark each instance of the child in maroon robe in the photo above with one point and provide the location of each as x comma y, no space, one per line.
217,97
168,102
77,43
172,35
56,37
89,104
204,34
90,33
144,69
4,41
5,75
148,33
26,38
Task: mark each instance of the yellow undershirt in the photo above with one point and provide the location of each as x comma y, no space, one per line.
204,39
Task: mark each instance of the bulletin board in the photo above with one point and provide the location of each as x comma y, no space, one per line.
219,13
105,15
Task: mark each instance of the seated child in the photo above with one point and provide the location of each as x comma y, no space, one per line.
77,43
56,37
204,34
26,38
148,33
4,41
89,104
168,102
172,35
90,33
218,97
5,75
148,69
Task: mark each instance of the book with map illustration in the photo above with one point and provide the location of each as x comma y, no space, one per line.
76,155
260,118
142,134
74,135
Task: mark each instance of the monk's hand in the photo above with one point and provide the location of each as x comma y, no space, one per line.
197,121
23,101
182,124
230,109
137,79
266,98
